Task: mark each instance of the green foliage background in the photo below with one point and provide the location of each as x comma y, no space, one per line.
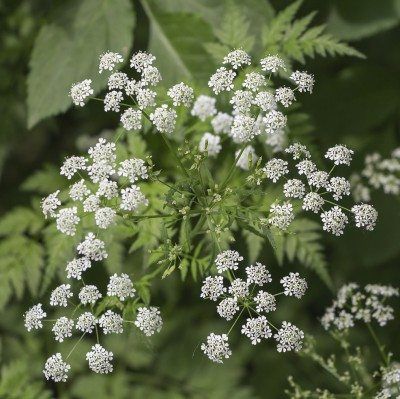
47,45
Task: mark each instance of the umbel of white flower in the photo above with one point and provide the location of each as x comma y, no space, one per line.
247,296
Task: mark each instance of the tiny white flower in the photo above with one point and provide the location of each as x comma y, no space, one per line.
111,323
108,60
164,119
256,328
272,63
89,294
212,288
285,96
63,328
104,217
222,80
304,81
216,348
148,320
294,285
50,204
112,101
275,168
99,360
121,287
334,221
141,60
274,121
131,119
289,338
227,308
33,317
222,123
60,295
181,94
237,58
339,154
132,198
80,91
56,369
281,215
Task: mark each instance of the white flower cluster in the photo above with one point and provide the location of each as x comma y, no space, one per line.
312,187
98,195
245,295
378,174
354,303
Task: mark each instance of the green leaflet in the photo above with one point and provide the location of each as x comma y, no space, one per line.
66,50
303,245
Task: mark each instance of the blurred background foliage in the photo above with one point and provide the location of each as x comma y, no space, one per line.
47,45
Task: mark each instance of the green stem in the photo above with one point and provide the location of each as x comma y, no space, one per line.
232,169
378,344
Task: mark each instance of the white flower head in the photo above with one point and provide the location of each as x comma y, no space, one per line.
265,301
108,189
210,143
256,328
313,202
275,168
242,101
77,266
134,169
148,320
304,81
103,151
254,81
86,322
340,155
56,369
62,328
104,217
109,60
132,87
117,80
89,294
163,119
294,285
145,98
204,107
227,308
222,123
281,216
100,360
92,248
285,96
289,338
228,260
50,204
244,128
59,296
237,58
266,101
151,76
258,274
112,101
121,287
80,91
338,186
318,179
67,220
71,165
132,198
274,121
294,188
216,348
365,216
111,323
141,60
33,317
212,288
222,80
298,151
272,63
131,119
247,159
239,288
181,94
334,221
306,167
78,191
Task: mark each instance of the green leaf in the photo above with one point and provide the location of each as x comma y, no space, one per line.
21,262
66,50
45,181
304,246
20,220
175,39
